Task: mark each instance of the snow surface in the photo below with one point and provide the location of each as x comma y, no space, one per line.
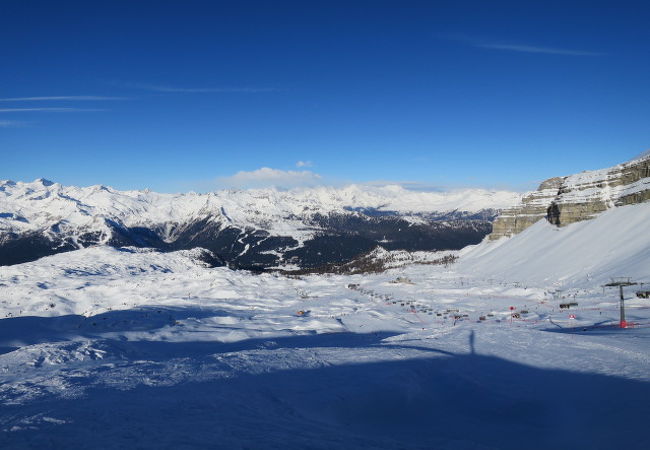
131,348
617,243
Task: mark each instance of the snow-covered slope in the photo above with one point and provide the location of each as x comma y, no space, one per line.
132,348
42,217
616,243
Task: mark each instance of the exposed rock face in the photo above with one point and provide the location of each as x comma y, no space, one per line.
564,200
532,208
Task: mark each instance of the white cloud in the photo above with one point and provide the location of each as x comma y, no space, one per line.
192,90
408,185
515,47
15,110
267,177
60,97
12,124
535,49
304,164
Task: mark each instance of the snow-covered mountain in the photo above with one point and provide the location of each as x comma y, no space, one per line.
246,228
573,198
107,347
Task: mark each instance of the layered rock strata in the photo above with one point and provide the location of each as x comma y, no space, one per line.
565,200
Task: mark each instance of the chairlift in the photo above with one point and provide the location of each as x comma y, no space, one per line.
621,282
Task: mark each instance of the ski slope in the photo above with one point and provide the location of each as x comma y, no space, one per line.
614,244
132,348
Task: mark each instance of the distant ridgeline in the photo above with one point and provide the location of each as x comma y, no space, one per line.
565,200
256,229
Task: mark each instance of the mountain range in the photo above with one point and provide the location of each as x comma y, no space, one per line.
300,229
250,229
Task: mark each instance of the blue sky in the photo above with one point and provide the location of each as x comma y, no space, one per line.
181,95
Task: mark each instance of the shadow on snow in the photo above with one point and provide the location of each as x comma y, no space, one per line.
442,401
19,331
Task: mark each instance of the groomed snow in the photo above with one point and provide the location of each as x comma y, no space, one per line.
616,243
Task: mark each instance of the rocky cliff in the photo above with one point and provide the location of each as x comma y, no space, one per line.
569,199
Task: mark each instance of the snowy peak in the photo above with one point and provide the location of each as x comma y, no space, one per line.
44,182
42,202
266,227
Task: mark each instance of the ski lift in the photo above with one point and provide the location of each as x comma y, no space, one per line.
621,282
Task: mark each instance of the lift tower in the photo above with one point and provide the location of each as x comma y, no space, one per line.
621,282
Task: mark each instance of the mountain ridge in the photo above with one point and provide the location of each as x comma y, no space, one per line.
574,198
257,228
